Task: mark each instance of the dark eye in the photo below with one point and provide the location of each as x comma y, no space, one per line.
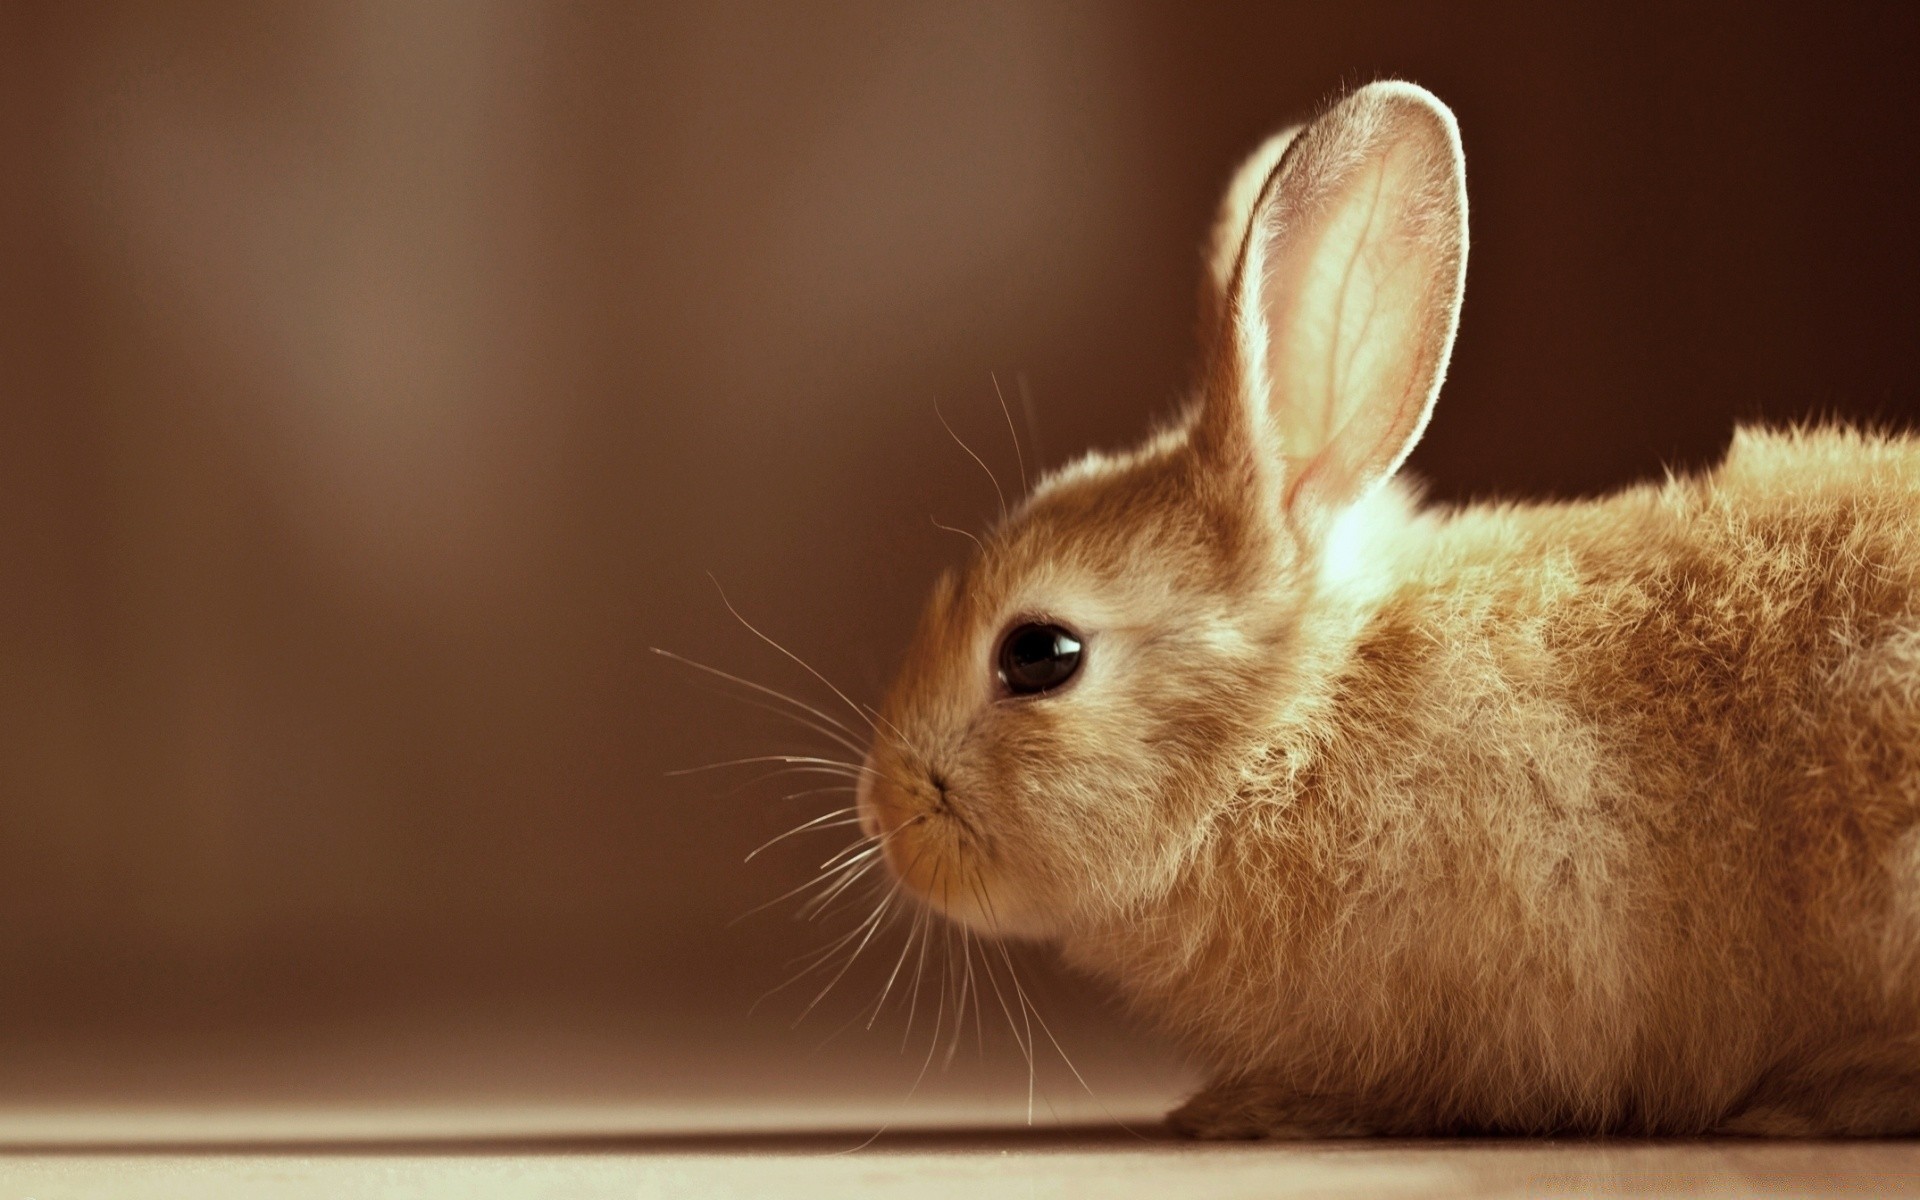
1038,658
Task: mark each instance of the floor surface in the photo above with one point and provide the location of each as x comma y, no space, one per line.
586,1107
1099,1161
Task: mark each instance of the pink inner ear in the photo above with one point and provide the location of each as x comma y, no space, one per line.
1363,243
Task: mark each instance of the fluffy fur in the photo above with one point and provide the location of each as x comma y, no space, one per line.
1572,817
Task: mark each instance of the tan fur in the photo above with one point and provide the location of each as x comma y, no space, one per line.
1599,816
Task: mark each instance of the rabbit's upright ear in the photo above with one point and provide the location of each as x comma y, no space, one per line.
1339,312
1236,212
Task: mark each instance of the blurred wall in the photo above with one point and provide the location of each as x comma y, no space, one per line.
379,381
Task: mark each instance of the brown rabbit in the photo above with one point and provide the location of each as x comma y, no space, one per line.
1600,816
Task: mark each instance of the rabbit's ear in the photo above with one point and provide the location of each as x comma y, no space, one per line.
1343,303
1236,211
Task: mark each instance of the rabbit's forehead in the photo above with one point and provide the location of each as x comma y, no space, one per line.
1063,564
1113,546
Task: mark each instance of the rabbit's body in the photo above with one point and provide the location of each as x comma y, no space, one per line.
1607,818
1588,816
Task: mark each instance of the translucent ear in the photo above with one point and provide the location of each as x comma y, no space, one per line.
1345,298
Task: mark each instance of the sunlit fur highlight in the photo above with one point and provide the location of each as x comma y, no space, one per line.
1596,816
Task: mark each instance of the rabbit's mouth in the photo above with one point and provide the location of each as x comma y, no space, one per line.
934,854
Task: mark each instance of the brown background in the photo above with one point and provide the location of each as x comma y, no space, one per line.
378,381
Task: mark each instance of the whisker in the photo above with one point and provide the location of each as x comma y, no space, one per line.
865,848
997,490
874,1137
1028,1007
905,947
1064,1058
960,982
816,881
1019,457
873,714
952,529
852,854
1026,409
979,1002
819,791
819,822
839,739
816,959
789,759
830,733
919,930
804,664
820,954
940,1013
959,999
920,926
820,908
986,965
817,907
1013,1027
748,683
874,921
769,776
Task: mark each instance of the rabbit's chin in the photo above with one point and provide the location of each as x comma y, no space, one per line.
948,878
995,910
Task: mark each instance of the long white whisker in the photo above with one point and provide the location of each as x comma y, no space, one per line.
833,735
865,848
820,954
1019,457
979,1001
905,947
919,932
938,524
873,714
819,958
1026,409
748,683
1028,1007
769,776
820,791
863,853
1013,1027
852,854
824,821
788,759
940,1013
997,489
857,869
920,926
823,878
804,664
1062,1052
986,965
960,998
874,921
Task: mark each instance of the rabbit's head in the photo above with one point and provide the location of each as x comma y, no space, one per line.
1079,700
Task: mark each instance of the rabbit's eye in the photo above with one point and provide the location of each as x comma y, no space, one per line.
1038,658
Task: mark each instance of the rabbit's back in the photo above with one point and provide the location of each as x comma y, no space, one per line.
1706,695
1764,686
1751,639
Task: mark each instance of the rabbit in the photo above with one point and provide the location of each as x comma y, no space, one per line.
1523,818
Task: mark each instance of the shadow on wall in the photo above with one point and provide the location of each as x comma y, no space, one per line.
379,386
